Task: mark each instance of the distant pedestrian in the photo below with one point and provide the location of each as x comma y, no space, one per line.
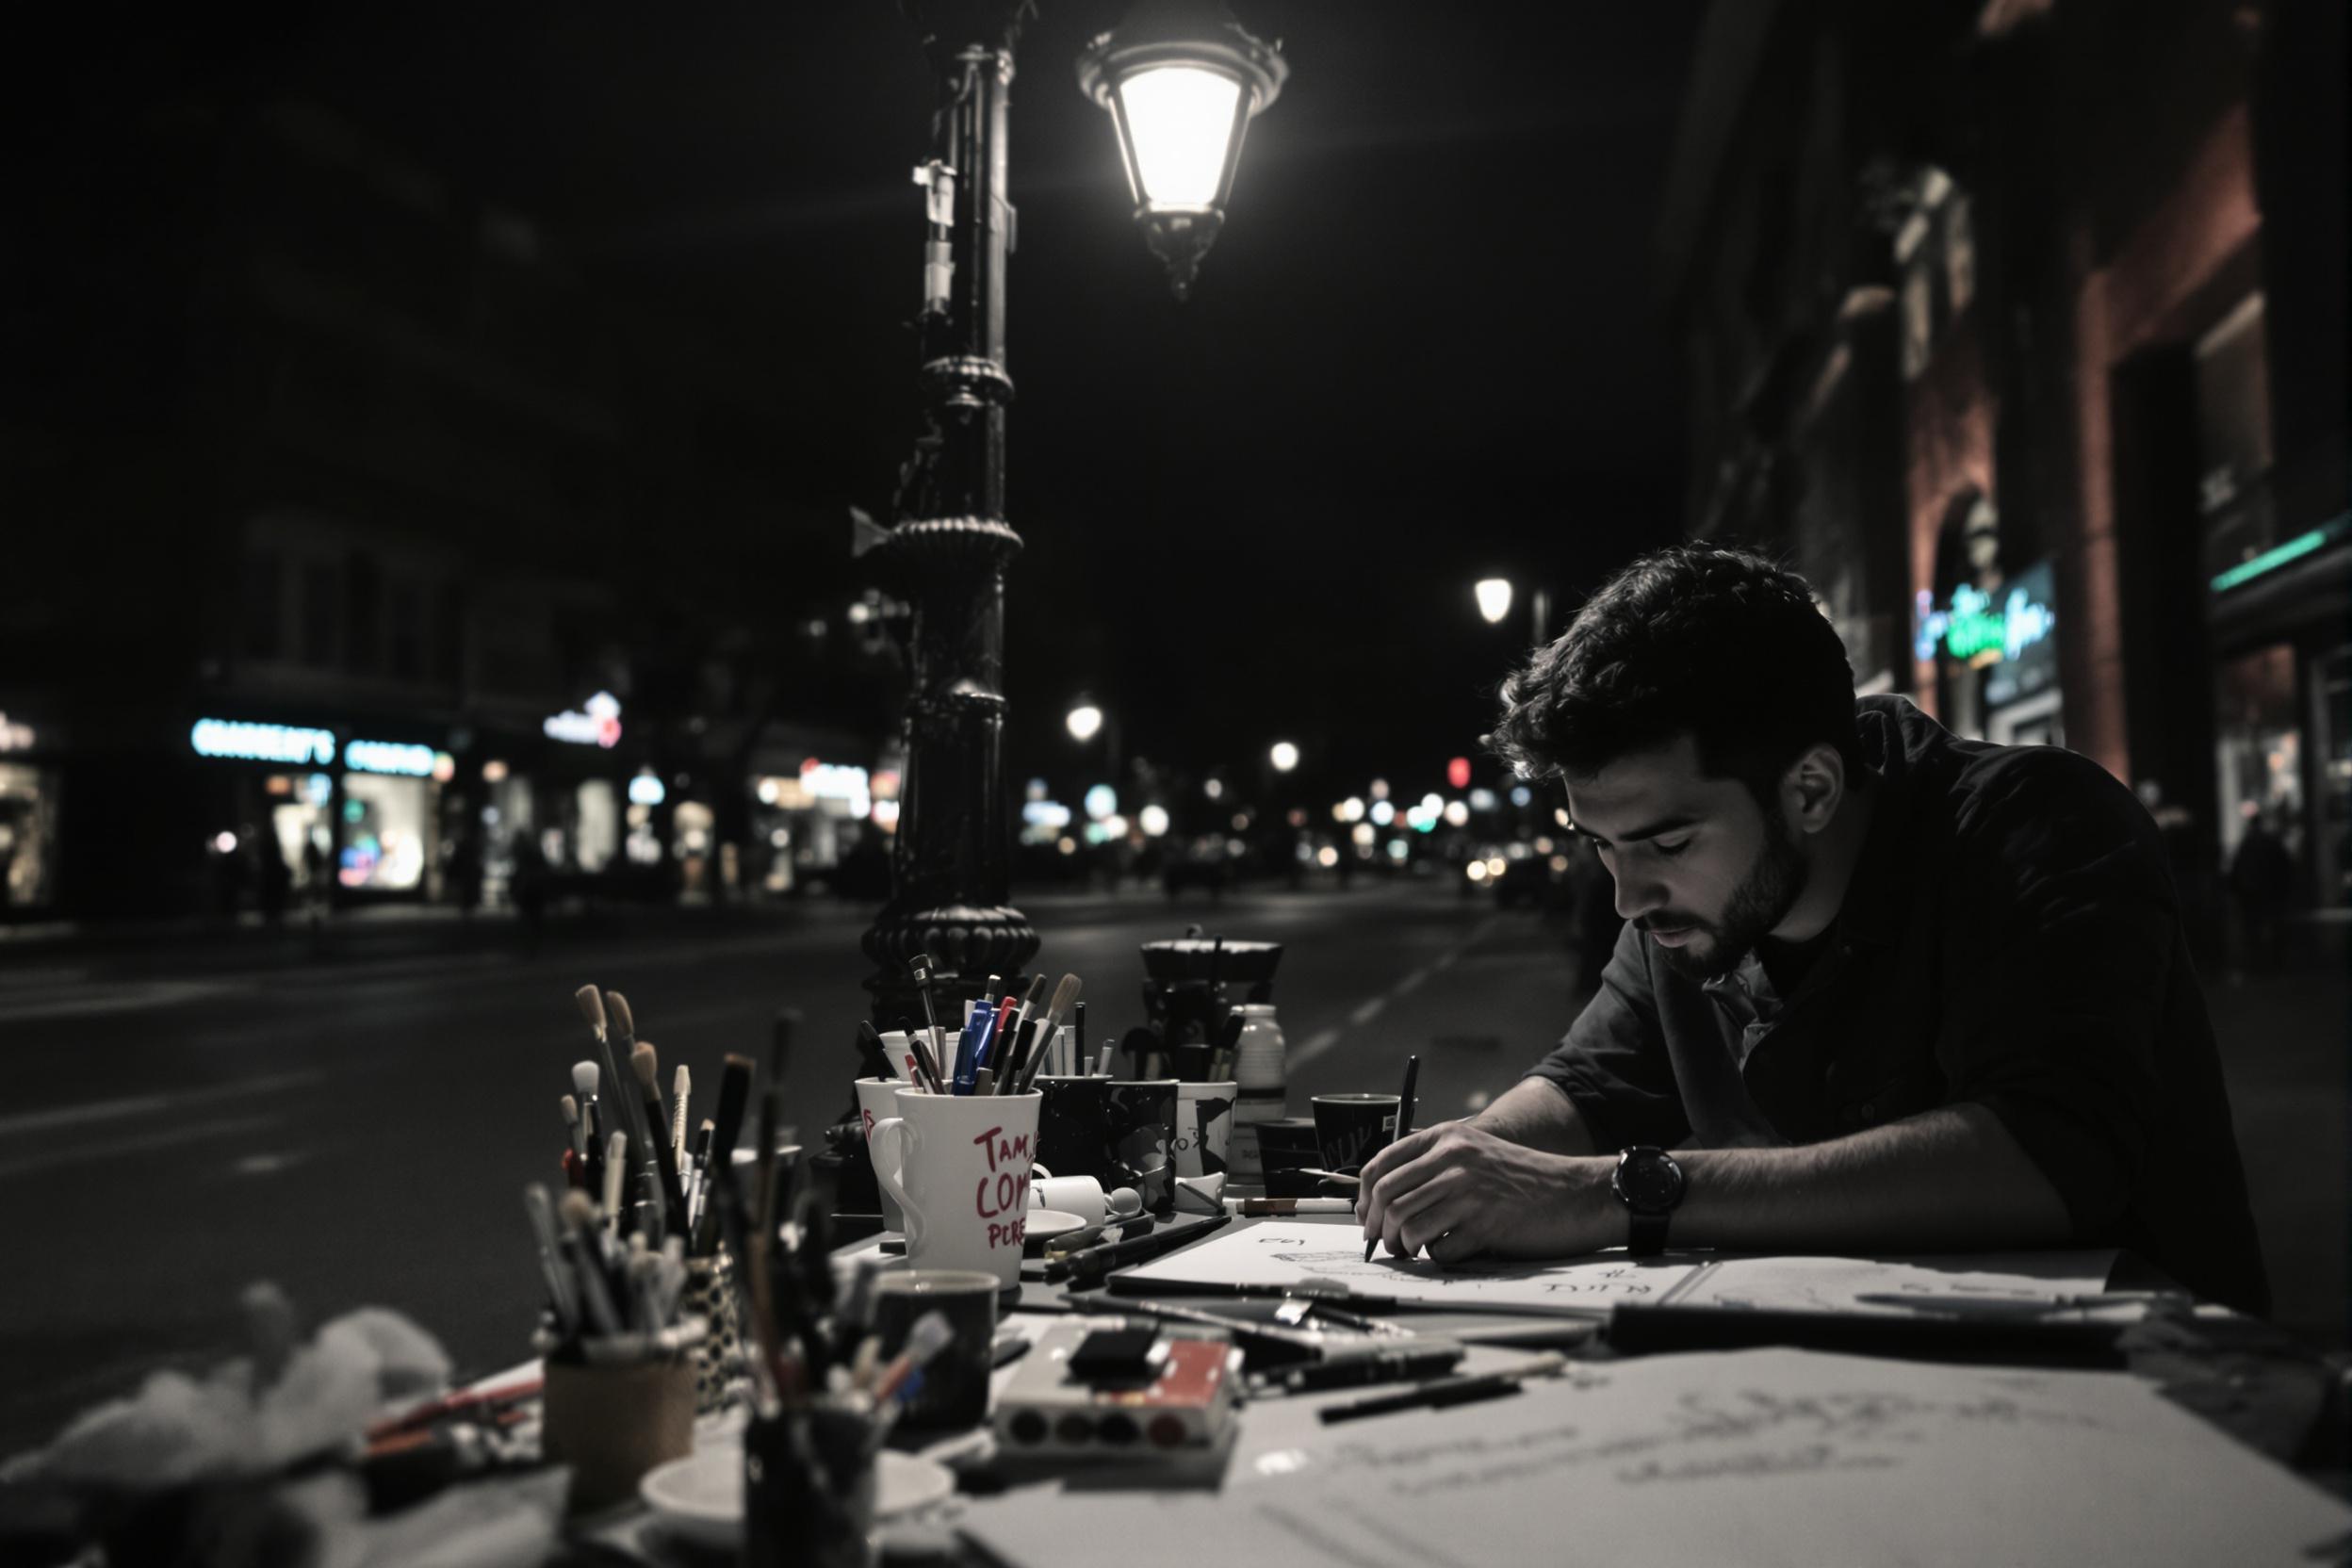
465,874
277,879
2261,880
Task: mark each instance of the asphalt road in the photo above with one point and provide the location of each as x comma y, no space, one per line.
360,1130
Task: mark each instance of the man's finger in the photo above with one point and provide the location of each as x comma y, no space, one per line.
1457,1209
1408,1170
1392,1156
1457,1244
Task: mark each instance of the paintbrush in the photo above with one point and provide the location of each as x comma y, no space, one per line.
646,1065
624,1044
1077,1062
615,1173
587,1262
562,1291
734,1100
571,1123
681,1086
586,1079
1027,1014
591,1008
1065,998
871,1052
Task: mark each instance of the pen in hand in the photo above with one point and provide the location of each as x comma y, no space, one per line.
1404,1126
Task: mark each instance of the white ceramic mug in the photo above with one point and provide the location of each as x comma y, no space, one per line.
878,1098
1204,1126
1080,1195
958,1166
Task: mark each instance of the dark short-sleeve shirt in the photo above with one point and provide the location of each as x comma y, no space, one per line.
2010,939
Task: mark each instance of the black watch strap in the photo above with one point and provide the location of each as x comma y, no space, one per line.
1648,1238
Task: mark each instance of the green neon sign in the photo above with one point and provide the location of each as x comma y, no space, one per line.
2278,555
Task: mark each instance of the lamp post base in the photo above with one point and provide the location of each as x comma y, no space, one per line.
966,943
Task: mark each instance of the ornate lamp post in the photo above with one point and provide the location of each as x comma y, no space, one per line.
950,543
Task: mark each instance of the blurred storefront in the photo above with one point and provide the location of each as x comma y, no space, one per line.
30,791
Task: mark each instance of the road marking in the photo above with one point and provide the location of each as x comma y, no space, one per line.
1323,1039
1370,1011
83,1153
270,1165
117,998
148,1104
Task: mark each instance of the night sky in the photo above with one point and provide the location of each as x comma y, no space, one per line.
1427,347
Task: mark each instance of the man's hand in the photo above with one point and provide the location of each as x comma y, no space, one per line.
1459,1190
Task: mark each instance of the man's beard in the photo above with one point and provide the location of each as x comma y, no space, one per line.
1761,901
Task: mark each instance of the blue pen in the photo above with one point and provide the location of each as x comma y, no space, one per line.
969,1048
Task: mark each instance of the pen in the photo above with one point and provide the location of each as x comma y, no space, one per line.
2009,1306
1381,1366
1436,1395
1404,1125
1090,1264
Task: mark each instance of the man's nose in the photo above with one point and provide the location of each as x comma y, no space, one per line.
1637,896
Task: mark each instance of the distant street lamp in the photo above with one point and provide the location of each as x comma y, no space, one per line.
1283,756
1494,595
1084,721
1181,79
1494,598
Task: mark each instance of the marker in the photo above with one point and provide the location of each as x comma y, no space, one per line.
1444,1392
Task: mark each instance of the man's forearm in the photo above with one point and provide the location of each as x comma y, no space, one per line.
1952,1179
1539,1113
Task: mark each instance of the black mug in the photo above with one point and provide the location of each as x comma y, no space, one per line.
1285,1147
1143,1140
954,1390
808,1485
1074,1127
1351,1128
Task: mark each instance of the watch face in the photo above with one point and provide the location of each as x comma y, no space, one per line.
1651,1183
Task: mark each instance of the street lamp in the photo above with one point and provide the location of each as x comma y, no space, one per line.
1283,756
1494,598
1181,79
949,543
1084,721
1494,595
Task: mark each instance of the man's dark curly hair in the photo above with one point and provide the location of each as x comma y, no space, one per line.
1720,644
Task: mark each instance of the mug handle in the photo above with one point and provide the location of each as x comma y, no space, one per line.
891,1143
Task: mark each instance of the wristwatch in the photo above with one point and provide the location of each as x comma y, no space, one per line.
1649,1185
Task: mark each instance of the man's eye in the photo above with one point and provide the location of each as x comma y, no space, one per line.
1670,850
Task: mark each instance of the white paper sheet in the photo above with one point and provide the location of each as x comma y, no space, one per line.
1750,1457
1834,1284
1273,1253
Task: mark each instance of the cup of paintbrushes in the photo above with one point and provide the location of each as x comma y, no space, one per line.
613,1421
808,1486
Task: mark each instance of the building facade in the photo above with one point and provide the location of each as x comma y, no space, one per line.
361,550
2018,327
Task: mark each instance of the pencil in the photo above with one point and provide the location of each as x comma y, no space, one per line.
1404,1125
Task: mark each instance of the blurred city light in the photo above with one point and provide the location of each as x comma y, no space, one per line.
1494,601
1214,789
1365,833
1475,871
1384,813
1521,795
494,772
1327,857
1495,865
1283,756
1351,809
1153,821
1084,722
1101,801
1457,772
1482,800
1379,789
1457,813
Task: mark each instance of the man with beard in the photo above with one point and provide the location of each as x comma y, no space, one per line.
1880,989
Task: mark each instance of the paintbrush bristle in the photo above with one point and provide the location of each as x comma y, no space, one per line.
591,1006
586,1077
578,1209
681,1083
624,1024
645,1064
571,1111
1065,997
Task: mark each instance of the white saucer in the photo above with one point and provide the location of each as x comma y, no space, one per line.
1045,1224
701,1496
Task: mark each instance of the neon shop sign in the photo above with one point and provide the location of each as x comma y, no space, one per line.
1980,628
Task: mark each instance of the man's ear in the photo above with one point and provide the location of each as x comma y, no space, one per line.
1813,788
